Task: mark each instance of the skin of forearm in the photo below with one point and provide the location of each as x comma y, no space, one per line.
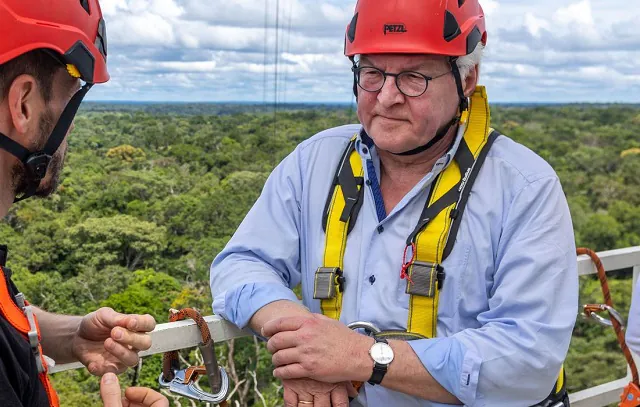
406,373
276,309
57,332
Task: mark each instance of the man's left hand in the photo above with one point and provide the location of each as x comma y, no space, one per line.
107,341
319,348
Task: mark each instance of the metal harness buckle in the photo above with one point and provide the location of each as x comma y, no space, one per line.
325,282
32,335
424,277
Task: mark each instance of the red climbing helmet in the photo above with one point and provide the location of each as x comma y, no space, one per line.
74,29
442,27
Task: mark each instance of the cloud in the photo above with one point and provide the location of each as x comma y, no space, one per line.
195,50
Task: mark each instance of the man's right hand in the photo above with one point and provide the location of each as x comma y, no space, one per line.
133,396
310,393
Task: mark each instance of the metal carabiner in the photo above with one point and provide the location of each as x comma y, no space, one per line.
369,328
185,383
591,310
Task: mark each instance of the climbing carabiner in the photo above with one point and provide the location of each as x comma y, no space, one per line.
368,327
591,310
185,381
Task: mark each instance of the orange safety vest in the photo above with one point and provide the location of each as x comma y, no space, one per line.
25,322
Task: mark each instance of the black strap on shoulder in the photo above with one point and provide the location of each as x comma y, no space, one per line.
456,214
349,184
469,169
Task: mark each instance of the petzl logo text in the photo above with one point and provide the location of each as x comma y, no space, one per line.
394,29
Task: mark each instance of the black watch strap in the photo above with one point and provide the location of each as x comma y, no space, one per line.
379,370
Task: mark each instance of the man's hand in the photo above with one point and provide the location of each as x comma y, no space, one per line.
319,348
310,393
133,396
107,341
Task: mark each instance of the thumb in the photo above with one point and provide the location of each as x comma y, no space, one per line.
110,391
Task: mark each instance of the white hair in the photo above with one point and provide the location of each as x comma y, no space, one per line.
467,62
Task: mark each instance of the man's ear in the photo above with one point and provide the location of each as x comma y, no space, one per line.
25,101
471,81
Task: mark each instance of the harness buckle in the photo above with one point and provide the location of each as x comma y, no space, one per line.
325,282
424,278
32,335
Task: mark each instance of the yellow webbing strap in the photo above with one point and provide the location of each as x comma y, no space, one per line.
430,242
560,381
336,239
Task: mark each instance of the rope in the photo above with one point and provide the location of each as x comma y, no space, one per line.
618,328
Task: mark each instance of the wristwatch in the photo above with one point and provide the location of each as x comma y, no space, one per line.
382,355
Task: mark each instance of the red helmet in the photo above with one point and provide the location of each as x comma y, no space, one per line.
74,29
442,27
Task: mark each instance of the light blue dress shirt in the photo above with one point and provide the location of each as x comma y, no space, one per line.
510,297
632,335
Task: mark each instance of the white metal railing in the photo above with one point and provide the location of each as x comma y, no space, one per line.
185,334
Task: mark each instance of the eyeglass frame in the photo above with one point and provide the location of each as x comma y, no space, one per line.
356,73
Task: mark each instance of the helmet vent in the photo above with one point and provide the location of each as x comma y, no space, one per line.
352,28
85,5
451,26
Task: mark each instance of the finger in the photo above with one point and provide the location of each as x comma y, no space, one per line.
124,355
351,389
294,371
322,400
138,341
282,324
286,357
290,397
340,397
142,396
110,391
282,340
132,322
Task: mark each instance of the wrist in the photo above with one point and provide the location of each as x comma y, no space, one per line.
363,368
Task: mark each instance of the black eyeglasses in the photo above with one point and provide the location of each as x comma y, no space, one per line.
409,83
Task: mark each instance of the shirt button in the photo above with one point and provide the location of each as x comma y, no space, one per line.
380,229
365,150
369,182
372,279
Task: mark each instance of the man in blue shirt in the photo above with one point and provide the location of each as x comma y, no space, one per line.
508,289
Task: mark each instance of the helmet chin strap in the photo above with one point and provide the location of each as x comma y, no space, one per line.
38,162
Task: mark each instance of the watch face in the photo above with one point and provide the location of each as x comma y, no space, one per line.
381,353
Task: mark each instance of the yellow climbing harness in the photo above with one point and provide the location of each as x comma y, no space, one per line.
427,245
430,242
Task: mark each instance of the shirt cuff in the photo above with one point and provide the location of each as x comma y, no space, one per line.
452,365
240,303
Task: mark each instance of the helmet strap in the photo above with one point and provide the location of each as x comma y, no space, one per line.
37,163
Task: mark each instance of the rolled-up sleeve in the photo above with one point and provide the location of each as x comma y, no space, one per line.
515,356
261,262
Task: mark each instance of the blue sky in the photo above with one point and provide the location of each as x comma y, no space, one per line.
213,50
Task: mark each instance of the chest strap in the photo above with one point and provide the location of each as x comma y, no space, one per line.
20,316
341,211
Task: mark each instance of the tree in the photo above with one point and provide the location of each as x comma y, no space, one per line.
118,240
